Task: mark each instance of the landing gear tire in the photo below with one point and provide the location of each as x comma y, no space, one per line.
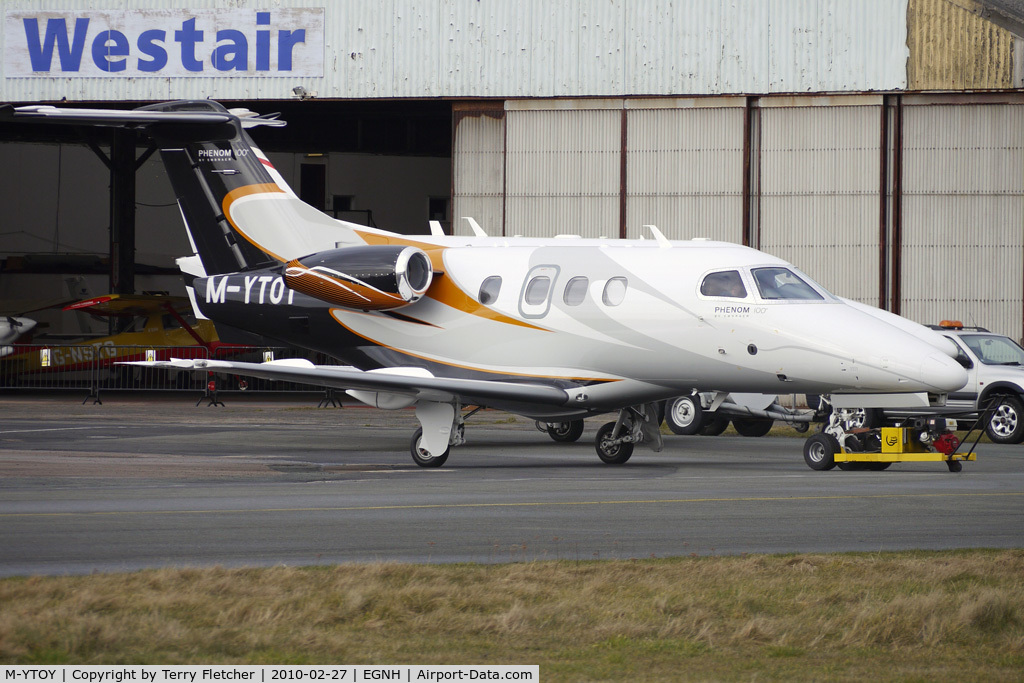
420,457
820,451
752,427
609,452
684,415
1007,422
565,432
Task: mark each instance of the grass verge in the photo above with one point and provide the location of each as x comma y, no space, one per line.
890,616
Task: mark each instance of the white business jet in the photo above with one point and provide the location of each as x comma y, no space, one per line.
552,329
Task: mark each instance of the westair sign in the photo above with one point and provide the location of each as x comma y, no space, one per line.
170,43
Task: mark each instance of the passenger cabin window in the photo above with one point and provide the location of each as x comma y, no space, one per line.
535,297
489,289
614,291
575,291
778,284
726,283
537,290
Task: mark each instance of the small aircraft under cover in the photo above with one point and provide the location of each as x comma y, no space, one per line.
154,321
552,329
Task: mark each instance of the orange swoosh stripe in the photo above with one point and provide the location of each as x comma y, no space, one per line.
244,191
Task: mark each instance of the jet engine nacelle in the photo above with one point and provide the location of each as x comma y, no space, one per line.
371,278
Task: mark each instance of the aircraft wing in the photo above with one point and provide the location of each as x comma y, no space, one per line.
407,382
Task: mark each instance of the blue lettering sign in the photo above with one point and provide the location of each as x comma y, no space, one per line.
165,43
41,56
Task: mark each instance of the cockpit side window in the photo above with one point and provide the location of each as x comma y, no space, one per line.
778,284
489,289
724,283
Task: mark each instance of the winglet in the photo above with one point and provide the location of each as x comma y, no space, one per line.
435,229
477,230
659,237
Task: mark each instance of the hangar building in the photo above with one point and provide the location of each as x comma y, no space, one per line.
877,144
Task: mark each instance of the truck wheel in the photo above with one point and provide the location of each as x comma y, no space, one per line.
820,451
752,427
684,415
1007,422
715,426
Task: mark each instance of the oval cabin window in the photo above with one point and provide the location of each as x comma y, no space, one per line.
614,291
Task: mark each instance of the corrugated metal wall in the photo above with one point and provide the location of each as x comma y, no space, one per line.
478,170
562,169
523,48
963,214
820,169
684,168
953,48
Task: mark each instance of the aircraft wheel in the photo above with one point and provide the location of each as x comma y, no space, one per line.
565,432
611,453
861,418
684,415
752,427
1007,422
820,451
715,426
420,457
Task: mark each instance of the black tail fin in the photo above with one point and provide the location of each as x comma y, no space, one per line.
206,164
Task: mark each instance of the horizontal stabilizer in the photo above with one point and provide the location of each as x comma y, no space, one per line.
134,118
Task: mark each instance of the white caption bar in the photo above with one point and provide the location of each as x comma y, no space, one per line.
406,673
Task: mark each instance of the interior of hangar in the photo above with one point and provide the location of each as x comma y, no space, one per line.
378,163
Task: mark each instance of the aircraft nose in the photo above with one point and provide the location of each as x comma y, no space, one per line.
943,373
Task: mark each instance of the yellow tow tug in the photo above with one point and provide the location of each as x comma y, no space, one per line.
918,440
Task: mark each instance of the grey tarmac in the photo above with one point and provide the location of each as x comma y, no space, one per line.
154,481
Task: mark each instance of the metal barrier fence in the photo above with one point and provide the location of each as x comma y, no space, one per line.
94,368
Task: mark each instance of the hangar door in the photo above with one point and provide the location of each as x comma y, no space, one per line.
562,168
684,168
819,192
962,232
601,168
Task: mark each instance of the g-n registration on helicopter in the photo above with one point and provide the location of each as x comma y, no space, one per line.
552,329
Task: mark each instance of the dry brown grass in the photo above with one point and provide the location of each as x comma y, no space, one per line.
903,616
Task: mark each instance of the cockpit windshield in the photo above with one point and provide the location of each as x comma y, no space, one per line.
723,283
993,349
777,284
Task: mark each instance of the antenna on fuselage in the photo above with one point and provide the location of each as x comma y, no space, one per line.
435,229
659,237
477,230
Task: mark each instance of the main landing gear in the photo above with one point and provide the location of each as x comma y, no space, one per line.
442,425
